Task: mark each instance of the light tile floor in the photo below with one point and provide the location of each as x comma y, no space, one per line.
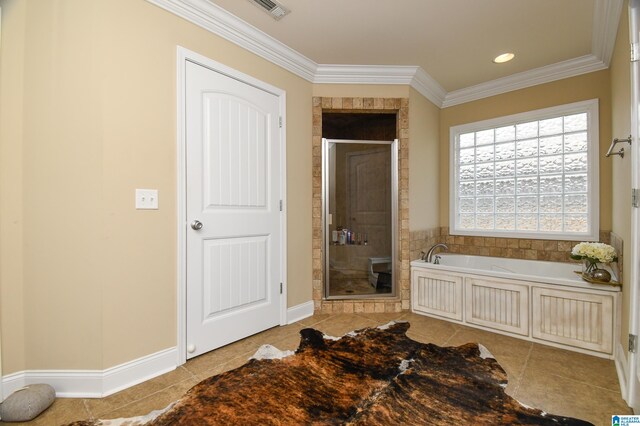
554,380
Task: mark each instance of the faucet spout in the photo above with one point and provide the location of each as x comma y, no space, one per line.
429,254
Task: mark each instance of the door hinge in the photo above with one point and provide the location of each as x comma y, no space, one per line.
633,343
635,197
280,205
280,288
635,52
280,121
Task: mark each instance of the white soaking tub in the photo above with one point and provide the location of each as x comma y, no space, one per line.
546,302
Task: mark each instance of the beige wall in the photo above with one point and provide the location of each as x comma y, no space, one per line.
361,91
88,114
11,104
423,145
424,128
621,174
91,282
87,281
588,86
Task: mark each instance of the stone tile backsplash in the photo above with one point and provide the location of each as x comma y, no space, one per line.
515,248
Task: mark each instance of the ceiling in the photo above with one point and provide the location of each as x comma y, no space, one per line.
454,41
443,48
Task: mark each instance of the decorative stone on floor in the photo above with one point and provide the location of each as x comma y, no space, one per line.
27,403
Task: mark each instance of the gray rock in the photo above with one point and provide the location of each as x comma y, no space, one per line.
27,403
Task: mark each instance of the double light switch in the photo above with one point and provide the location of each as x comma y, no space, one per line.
146,199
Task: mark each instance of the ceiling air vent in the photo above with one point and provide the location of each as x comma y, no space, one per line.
276,10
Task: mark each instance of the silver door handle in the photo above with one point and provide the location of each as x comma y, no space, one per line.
196,225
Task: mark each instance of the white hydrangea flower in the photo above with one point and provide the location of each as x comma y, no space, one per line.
599,252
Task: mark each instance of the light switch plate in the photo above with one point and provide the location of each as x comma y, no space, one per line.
146,199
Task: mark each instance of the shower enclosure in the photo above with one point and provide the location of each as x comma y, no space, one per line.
359,217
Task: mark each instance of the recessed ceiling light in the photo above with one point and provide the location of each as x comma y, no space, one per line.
505,57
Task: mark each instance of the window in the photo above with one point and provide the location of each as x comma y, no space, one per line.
530,175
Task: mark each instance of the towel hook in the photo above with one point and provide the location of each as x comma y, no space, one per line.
614,143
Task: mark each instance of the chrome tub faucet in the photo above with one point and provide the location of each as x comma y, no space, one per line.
428,257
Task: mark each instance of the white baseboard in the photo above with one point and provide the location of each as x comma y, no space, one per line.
133,372
298,312
95,383
101,383
622,368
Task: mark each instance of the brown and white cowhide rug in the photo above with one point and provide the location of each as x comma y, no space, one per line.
374,376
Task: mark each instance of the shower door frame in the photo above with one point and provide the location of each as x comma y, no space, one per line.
326,143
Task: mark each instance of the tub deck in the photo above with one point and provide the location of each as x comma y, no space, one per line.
529,270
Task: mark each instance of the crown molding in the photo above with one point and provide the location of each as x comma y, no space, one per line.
412,76
546,74
428,87
364,74
222,23
606,18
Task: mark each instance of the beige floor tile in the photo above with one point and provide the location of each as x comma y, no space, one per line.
429,330
561,396
589,369
511,353
156,401
100,406
558,381
340,324
423,321
316,318
383,318
223,368
290,343
62,411
276,333
237,354
215,358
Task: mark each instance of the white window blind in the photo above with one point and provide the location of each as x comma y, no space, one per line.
530,175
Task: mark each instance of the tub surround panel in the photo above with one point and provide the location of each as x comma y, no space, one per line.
571,318
503,308
438,294
532,300
399,106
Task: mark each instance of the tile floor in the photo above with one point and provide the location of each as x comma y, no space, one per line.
555,380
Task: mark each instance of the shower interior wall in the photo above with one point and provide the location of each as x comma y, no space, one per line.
348,274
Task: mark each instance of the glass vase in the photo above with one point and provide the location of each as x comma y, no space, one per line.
588,267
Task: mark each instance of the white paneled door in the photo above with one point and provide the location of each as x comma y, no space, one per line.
233,193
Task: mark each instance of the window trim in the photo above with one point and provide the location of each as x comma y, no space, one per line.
591,107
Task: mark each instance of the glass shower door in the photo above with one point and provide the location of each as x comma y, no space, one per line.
359,187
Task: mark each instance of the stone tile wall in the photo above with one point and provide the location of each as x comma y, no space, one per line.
515,248
400,106
421,241
618,244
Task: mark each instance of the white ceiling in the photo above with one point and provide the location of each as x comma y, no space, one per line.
443,48
454,41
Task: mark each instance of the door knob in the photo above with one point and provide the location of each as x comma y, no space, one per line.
196,224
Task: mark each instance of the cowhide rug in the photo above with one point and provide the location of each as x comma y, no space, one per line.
374,376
